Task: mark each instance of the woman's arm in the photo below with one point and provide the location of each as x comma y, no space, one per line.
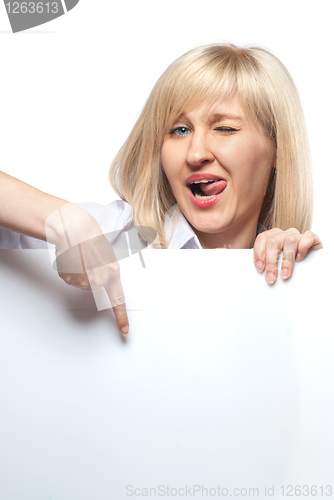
26,210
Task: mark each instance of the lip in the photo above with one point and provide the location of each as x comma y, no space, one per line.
202,176
205,203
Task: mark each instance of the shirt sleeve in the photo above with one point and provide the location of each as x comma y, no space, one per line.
116,216
15,241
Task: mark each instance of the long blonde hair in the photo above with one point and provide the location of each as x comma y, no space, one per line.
211,73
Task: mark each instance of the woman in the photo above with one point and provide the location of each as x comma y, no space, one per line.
217,159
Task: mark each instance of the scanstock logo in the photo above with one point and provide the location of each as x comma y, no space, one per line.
24,15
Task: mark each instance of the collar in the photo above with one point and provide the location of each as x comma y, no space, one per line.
179,233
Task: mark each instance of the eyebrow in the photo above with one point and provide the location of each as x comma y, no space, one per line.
216,117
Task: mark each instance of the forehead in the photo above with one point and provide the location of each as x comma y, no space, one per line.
230,109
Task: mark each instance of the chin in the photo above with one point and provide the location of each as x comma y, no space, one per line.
209,228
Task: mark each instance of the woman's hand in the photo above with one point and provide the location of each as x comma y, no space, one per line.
269,244
85,258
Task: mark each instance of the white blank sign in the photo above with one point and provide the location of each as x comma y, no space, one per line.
224,386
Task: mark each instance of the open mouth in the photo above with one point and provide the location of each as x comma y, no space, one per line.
207,188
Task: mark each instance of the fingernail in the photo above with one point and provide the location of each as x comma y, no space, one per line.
284,273
259,266
298,256
125,330
270,277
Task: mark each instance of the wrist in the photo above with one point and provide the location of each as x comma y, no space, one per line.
70,225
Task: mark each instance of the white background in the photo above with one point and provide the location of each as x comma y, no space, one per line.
72,89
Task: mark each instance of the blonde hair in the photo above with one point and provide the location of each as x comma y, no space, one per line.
215,72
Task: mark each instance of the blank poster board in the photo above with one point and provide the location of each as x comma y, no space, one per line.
224,386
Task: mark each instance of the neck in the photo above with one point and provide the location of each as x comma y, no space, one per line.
234,238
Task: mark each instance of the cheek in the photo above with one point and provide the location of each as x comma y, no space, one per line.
165,159
241,158
255,164
265,164
170,161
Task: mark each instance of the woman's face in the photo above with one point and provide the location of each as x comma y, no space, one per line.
221,144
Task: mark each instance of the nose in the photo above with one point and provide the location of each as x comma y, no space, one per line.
199,150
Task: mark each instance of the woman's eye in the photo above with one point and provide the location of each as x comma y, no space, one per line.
179,131
227,129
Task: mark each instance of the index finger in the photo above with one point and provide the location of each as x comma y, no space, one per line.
122,318
108,277
115,292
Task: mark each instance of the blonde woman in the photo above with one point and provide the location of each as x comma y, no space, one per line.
218,158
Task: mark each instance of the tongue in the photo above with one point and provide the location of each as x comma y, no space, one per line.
213,187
